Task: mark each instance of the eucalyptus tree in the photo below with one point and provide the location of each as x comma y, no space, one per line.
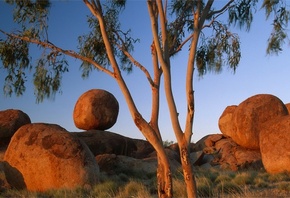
175,25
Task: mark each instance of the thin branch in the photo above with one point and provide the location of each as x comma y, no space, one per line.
49,45
181,45
134,61
221,10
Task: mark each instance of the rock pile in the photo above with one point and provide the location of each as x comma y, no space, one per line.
255,134
261,122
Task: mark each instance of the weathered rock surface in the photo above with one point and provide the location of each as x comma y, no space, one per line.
105,142
223,152
11,120
96,109
114,164
288,107
41,157
275,145
226,123
250,115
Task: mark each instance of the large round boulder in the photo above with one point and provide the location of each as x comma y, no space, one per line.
96,109
41,157
11,120
250,116
275,145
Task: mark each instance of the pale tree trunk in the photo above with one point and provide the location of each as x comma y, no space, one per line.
161,56
149,130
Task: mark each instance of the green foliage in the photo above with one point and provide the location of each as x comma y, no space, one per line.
15,60
48,74
92,44
32,16
241,13
167,143
280,22
221,48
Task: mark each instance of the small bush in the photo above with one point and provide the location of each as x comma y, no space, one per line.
279,177
260,183
204,187
106,189
223,178
243,178
284,186
228,187
134,189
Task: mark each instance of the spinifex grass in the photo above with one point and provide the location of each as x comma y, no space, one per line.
210,183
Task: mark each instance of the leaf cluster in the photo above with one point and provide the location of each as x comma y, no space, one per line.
219,49
14,55
48,74
32,16
241,13
182,12
280,23
222,48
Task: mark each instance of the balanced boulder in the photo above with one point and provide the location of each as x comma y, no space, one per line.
41,157
275,145
96,109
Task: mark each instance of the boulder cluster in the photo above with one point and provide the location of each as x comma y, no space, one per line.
42,156
261,122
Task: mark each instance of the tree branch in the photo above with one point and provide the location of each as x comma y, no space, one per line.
221,10
182,44
134,61
49,45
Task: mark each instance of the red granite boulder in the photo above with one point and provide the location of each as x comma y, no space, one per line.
275,145
244,123
96,109
41,157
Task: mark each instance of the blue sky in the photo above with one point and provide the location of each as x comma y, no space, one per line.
257,73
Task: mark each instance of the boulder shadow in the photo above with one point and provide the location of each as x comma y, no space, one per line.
13,176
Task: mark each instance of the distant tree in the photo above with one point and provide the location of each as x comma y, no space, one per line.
174,25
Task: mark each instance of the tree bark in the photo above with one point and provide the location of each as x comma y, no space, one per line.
188,175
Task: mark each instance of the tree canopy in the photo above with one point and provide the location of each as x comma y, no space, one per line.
221,47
